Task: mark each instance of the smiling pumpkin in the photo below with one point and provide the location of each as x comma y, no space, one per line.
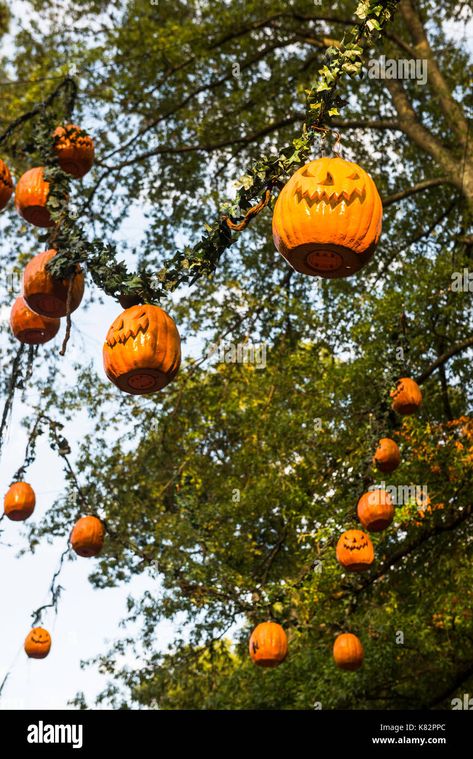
327,218
37,643
355,551
142,350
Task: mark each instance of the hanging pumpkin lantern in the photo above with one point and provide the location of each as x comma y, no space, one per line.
19,501
38,643
268,644
388,456
407,397
355,551
46,295
327,218
87,536
6,185
375,510
31,196
348,652
74,149
29,327
142,350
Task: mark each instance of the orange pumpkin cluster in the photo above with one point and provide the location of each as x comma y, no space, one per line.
375,511
35,315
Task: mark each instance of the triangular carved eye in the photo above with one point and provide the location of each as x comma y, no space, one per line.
354,176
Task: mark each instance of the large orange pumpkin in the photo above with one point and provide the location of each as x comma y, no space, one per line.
355,551
407,397
348,652
44,294
38,643
327,218
268,644
6,185
375,510
29,327
74,149
142,350
387,456
19,501
87,536
31,196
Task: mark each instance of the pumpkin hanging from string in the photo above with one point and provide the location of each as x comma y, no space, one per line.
74,149
355,551
387,456
327,218
47,295
31,196
142,350
19,501
37,643
407,397
87,536
6,185
29,327
268,644
375,510
348,652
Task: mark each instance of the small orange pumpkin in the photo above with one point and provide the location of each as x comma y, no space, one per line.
142,350
348,652
74,149
268,644
38,643
375,510
327,218
6,185
19,501
355,551
388,456
31,196
44,294
29,327
407,397
87,536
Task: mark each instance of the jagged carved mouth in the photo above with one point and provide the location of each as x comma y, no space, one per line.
323,189
118,333
357,547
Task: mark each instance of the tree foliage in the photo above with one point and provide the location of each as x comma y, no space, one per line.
233,485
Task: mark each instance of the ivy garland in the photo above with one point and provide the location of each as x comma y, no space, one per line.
256,185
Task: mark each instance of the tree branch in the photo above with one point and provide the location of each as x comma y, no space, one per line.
425,184
460,678
450,107
418,132
453,351
366,124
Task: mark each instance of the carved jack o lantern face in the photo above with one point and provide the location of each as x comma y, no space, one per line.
324,186
355,551
142,350
38,643
126,326
327,219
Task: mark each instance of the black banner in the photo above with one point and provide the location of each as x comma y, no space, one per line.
83,733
